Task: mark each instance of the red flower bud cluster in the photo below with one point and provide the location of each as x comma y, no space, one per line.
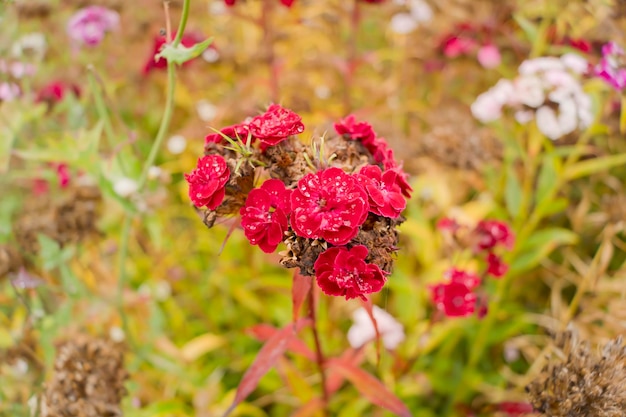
335,206
460,295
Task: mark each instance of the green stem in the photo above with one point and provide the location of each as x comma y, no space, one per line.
158,141
103,115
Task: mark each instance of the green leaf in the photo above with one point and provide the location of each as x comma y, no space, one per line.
182,54
591,166
548,178
539,246
512,193
51,254
529,29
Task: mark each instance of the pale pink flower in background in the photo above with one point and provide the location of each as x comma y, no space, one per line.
363,331
88,25
488,105
418,12
546,63
9,91
489,56
575,62
529,91
402,23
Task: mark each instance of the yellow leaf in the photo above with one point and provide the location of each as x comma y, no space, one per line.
200,345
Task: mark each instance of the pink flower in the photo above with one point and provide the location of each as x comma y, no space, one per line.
351,129
286,3
495,266
491,233
515,409
238,131
385,195
455,299
448,224
455,46
373,1
363,330
63,175
276,125
329,204
402,181
207,181
88,25
264,216
610,69
489,56
188,40
55,91
344,272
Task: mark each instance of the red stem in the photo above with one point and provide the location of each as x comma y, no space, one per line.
319,355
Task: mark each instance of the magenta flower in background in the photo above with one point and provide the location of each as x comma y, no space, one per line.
264,216
495,266
612,66
55,91
286,3
454,299
492,233
344,272
88,25
329,204
385,195
207,181
275,125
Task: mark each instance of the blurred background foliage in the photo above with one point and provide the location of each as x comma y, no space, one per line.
188,309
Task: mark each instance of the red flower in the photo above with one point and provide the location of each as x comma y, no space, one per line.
455,46
448,224
495,266
402,181
373,1
275,125
515,409
491,233
385,195
207,181
344,272
235,131
264,216
351,129
455,299
55,91
381,152
63,175
469,279
329,204
188,41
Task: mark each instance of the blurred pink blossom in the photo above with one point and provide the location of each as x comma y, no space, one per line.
612,67
9,91
489,56
88,25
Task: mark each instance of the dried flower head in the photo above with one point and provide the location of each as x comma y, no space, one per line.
582,382
88,379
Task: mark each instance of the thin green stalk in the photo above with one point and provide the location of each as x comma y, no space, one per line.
158,141
103,114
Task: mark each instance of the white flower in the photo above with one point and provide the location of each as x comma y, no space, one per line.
116,334
529,91
177,144
362,331
420,10
524,116
206,110
154,172
217,7
575,63
548,123
211,55
322,92
403,23
124,187
533,66
30,44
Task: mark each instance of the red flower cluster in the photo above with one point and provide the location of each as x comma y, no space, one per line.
188,40
264,217
385,195
275,125
457,297
207,181
329,204
55,91
344,272
338,226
